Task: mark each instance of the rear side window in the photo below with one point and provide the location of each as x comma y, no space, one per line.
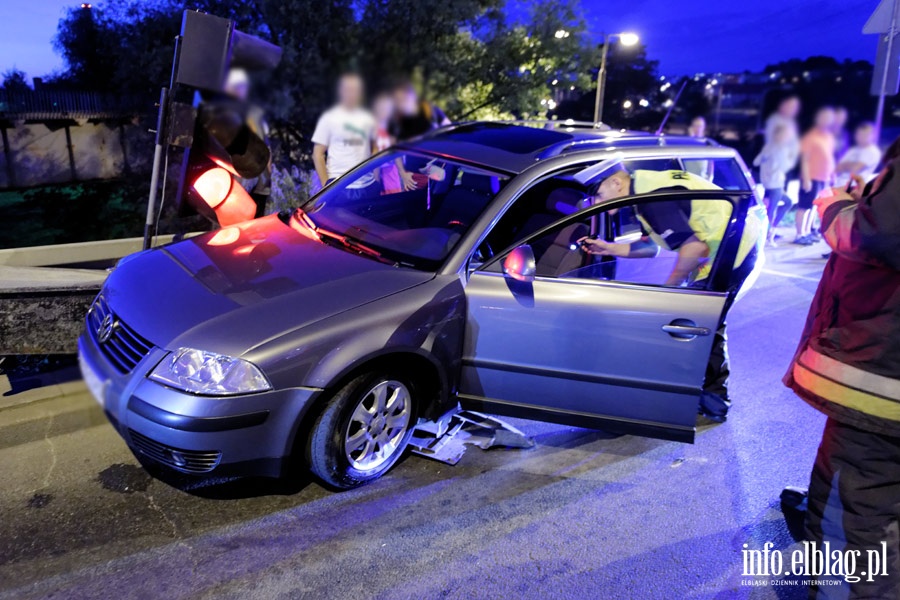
724,172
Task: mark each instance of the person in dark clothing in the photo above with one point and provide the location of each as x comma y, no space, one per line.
847,366
414,116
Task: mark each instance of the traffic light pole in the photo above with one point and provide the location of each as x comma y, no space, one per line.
879,112
150,223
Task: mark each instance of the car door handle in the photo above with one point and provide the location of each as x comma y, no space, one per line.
684,329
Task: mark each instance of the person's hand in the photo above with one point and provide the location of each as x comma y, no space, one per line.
829,197
602,247
807,185
859,185
409,182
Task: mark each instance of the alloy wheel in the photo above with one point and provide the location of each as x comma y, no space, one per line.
377,425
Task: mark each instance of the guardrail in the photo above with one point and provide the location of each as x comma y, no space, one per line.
42,306
47,105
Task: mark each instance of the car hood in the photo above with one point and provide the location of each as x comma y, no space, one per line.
231,290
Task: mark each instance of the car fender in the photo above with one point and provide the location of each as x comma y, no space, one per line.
425,323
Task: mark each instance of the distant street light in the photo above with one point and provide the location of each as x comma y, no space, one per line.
561,33
626,39
627,104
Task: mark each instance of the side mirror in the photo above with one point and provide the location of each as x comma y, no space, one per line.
520,264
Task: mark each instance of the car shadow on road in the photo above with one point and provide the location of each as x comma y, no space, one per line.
229,488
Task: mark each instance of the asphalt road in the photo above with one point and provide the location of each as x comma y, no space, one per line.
581,515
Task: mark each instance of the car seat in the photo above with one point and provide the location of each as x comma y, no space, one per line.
554,256
465,201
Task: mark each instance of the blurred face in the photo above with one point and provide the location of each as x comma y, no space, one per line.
790,107
840,118
350,91
825,118
406,100
864,136
383,108
615,186
237,84
697,128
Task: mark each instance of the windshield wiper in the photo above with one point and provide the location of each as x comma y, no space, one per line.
344,242
354,245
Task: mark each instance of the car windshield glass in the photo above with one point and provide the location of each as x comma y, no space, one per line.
409,208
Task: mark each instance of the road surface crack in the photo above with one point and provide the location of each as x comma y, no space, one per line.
53,457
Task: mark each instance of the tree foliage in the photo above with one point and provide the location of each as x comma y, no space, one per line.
471,56
14,80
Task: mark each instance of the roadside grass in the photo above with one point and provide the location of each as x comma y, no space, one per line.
72,212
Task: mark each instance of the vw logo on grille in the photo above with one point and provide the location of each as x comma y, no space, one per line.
107,327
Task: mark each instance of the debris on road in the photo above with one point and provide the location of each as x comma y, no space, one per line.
468,428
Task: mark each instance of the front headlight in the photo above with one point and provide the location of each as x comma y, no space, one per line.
208,373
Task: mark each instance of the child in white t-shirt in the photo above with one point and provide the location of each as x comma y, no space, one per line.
862,158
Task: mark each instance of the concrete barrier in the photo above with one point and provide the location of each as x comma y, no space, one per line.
42,306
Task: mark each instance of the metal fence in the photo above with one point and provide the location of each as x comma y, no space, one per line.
47,105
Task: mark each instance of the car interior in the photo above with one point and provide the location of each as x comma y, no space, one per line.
429,221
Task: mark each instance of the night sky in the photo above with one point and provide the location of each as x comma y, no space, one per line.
685,36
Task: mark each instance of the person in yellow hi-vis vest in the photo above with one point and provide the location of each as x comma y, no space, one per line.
694,229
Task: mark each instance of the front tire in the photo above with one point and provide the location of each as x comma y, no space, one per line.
363,430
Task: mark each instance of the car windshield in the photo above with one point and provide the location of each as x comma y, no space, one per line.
408,208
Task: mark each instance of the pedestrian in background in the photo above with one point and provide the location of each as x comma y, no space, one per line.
848,366
697,130
383,111
841,134
816,171
414,116
784,118
344,134
862,158
785,115
777,158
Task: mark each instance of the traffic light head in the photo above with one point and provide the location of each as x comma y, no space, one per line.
210,46
222,135
230,137
217,196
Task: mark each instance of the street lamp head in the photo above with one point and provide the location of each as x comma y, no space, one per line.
628,39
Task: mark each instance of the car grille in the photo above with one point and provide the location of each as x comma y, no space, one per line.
189,461
124,348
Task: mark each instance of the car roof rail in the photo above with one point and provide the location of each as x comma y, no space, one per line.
543,123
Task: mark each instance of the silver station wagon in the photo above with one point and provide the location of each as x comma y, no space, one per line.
329,334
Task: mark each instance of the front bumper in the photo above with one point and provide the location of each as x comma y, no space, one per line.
235,435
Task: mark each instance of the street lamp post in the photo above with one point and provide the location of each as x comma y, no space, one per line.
626,39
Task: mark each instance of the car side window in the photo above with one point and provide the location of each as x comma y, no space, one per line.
723,172
656,242
541,205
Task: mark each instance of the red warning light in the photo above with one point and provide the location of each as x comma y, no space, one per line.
231,202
